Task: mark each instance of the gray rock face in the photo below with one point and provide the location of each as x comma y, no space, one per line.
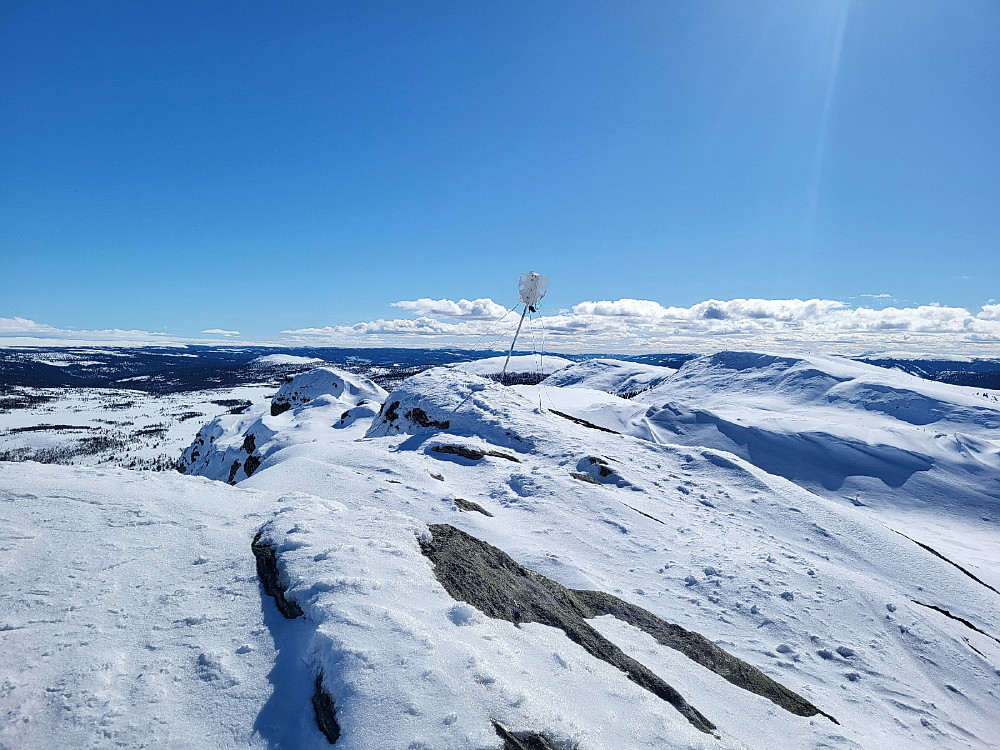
482,575
251,465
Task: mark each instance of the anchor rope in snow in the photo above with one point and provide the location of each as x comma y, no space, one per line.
495,324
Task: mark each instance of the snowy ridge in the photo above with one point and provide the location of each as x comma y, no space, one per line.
347,388
611,376
233,447
599,508
924,456
809,589
519,363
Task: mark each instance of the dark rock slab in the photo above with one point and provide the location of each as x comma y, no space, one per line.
522,740
326,712
270,578
482,575
473,454
699,649
471,506
478,573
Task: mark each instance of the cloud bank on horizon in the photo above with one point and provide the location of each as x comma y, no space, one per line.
623,325
630,325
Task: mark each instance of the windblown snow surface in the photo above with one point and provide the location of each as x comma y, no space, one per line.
786,553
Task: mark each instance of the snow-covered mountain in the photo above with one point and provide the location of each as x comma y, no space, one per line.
751,551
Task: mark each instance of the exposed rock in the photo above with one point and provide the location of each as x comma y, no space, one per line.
504,456
249,443
279,407
251,465
475,572
699,649
522,740
419,417
583,477
390,413
326,712
583,422
601,471
232,472
473,454
469,505
270,578
478,573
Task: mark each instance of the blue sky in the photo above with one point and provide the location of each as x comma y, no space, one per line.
265,167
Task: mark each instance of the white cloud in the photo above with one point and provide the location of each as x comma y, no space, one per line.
477,309
24,332
623,325
220,332
990,312
24,327
633,324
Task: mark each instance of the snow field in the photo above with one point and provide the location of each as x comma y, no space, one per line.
780,576
130,614
806,580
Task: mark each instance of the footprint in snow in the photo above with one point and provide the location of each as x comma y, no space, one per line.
464,614
210,668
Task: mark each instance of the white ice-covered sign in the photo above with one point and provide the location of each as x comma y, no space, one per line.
532,288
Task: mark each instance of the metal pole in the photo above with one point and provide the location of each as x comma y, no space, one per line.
511,350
